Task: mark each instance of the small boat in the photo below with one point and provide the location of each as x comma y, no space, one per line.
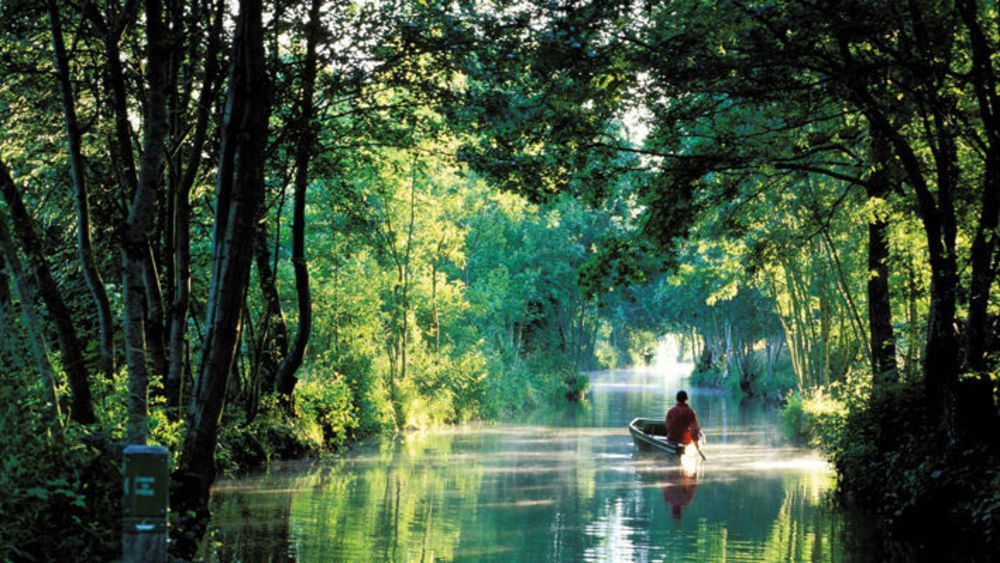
650,434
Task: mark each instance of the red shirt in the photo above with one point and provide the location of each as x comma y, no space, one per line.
682,424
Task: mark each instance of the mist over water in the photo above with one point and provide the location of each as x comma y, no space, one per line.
559,485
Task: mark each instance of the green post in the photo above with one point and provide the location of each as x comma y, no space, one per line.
144,505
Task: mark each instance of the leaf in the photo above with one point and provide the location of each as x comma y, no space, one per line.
38,493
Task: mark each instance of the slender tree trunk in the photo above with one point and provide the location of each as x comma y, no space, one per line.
912,349
943,354
155,330
36,334
274,337
181,300
728,332
85,246
240,191
982,257
985,242
82,409
942,357
6,300
883,343
121,154
285,379
844,290
434,308
136,253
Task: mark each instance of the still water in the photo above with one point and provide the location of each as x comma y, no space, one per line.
556,486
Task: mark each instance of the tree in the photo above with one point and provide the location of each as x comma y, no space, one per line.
239,193
136,259
82,408
285,376
84,242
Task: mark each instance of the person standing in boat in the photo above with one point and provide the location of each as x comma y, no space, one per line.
682,422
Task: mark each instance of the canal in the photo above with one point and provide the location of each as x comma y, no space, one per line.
559,485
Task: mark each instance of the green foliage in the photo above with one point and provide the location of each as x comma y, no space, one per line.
326,399
110,403
870,436
812,418
716,378
59,488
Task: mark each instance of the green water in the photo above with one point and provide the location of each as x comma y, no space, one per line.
556,486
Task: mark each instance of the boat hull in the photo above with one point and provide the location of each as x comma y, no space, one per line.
649,434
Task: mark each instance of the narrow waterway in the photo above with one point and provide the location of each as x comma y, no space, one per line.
563,485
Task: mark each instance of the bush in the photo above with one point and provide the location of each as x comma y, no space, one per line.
891,465
276,431
327,401
712,377
777,386
59,488
808,419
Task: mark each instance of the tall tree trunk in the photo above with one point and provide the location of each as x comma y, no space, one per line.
883,343
435,318
985,242
151,307
982,257
913,326
121,150
240,190
82,409
154,324
6,300
285,378
937,214
844,290
85,247
36,334
943,353
181,298
274,333
136,254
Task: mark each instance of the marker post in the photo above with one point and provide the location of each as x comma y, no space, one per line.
144,504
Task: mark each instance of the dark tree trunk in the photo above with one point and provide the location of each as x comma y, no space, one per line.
984,244
942,355
6,301
155,329
182,217
123,155
136,256
983,262
274,334
240,190
82,409
883,343
33,324
85,247
285,379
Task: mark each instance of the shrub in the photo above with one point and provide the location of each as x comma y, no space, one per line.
327,401
249,442
892,463
59,494
808,419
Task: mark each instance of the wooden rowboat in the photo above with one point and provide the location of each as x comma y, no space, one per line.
649,434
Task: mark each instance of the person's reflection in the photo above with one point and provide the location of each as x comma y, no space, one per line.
679,489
